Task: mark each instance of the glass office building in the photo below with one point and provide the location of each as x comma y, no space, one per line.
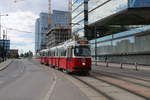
117,29
5,44
100,9
125,47
4,48
60,18
41,27
139,3
79,17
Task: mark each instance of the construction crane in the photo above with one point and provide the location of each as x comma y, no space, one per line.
49,13
70,6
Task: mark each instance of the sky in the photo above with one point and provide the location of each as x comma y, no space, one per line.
22,16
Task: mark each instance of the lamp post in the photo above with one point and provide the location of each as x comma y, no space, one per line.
95,45
3,54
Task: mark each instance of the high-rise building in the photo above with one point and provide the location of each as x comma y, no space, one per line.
37,36
41,28
60,28
60,18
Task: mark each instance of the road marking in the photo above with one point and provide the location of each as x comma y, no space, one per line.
49,93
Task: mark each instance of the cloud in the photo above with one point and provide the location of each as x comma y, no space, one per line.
35,6
22,16
22,21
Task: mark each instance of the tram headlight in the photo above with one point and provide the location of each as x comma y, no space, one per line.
83,64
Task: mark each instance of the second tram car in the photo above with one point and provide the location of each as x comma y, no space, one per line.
71,56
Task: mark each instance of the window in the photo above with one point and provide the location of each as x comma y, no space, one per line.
82,51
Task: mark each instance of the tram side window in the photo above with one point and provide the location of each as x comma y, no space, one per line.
52,53
49,53
63,52
69,52
59,52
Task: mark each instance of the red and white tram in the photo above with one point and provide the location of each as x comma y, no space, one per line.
71,56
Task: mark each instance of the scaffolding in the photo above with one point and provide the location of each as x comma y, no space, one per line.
58,35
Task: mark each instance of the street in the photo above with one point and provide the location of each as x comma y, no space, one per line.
24,80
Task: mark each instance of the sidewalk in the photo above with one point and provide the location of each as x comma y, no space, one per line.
124,66
5,64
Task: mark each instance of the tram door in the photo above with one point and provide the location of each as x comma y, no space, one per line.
69,58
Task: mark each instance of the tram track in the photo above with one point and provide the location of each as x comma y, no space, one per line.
94,88
125,78
123,75
108,90
132,88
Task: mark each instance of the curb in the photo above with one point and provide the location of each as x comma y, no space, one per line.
5,66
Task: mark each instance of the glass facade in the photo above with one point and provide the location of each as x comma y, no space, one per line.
41,27
99,9
79,20
60,18
37,36
132,41
139,3
5,44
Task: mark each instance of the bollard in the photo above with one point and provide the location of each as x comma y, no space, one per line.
107,64
121,65
95,63
136,65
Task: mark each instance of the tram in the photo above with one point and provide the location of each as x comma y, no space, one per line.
70,56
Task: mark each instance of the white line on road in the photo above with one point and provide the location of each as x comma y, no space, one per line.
49,93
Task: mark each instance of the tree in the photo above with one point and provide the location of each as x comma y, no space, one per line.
27,54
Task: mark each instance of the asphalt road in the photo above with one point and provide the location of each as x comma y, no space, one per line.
25,80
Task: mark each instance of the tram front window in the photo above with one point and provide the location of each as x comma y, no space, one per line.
82,51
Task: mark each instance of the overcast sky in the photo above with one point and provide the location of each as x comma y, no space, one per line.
22,16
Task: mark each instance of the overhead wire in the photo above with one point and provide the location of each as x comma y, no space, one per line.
16,29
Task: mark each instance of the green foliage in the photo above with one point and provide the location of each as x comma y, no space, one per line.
27,54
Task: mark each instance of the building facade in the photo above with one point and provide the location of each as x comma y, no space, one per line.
60,30
107,10
37,36
60,18
41,28
5,44
58,35
4,48
13,53
117,29
80,17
